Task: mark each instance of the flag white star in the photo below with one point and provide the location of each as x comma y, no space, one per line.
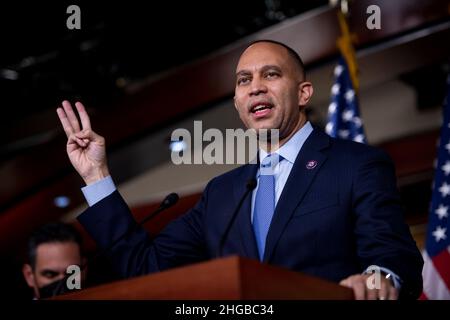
332,107
329,128
439,233
446,168
357,121
338,70
447,146
444,189
349,95
335,88
359,138
344,135
442,211
347,115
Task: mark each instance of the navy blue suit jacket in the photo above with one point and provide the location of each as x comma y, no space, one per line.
331,221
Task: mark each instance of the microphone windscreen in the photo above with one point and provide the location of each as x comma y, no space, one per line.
170,200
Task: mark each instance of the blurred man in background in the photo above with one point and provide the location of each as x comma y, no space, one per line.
51,250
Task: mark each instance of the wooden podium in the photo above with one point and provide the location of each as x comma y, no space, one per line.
231,278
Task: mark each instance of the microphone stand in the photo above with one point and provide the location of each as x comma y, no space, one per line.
251,184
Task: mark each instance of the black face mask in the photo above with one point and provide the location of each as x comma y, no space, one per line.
54,289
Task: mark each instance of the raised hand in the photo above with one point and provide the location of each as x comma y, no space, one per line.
85,148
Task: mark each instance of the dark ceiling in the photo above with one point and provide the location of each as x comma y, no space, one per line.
119,43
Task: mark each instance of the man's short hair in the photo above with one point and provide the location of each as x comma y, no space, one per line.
294,55
50,233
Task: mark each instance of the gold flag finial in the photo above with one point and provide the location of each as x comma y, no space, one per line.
345,45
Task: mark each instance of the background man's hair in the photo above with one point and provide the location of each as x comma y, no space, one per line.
294,55
50,233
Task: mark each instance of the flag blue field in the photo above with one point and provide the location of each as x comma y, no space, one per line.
344,120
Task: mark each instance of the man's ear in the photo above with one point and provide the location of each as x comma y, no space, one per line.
28,275
305,92
235,105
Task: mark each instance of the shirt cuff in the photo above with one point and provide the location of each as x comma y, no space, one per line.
99,190
395,278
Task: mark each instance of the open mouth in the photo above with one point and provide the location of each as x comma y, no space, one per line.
260,108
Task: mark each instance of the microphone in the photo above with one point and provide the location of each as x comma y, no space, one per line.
59,287
251,184
168,201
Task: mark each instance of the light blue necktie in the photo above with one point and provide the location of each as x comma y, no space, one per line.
264,202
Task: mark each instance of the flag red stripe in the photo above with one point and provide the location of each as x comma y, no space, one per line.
423,296
442,265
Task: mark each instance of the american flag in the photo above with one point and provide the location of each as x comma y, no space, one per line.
343,112
436,271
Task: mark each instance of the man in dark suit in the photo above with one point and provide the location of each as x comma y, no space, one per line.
326,207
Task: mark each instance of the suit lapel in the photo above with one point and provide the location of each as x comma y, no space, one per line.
243,216
308,163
